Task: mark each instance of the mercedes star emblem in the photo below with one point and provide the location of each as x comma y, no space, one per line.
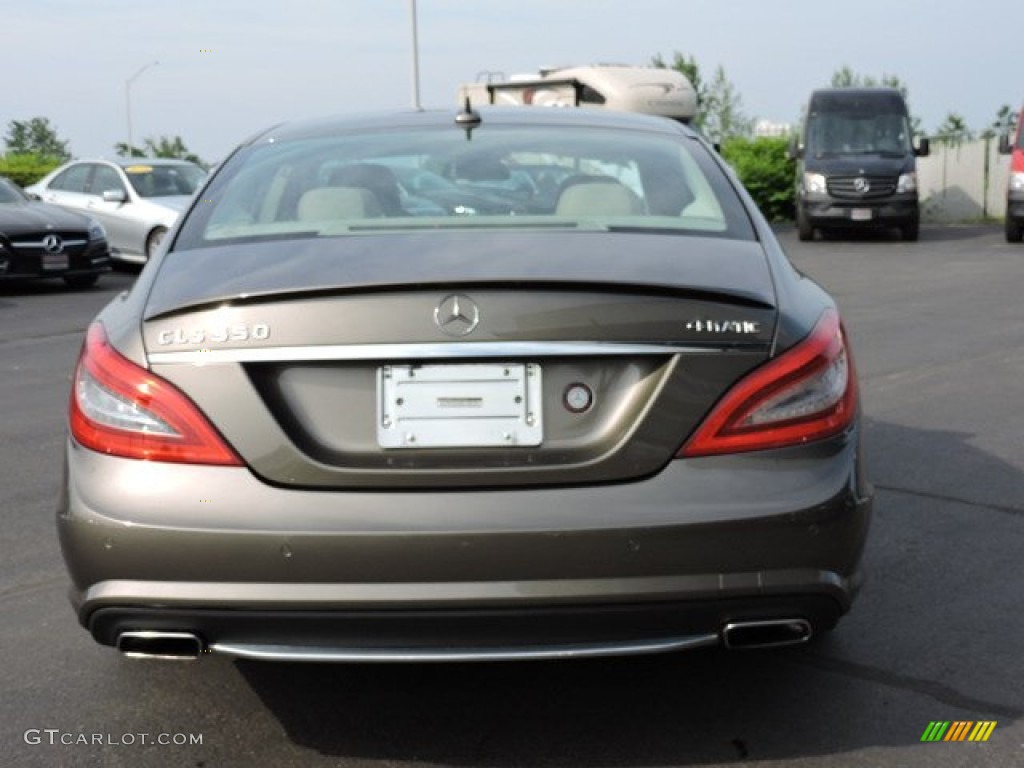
53,244
457,315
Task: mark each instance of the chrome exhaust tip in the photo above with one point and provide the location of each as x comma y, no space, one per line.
773,633
151,644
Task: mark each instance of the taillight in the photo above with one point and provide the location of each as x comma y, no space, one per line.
121,409
807,393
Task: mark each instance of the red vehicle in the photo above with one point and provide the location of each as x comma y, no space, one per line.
1015,188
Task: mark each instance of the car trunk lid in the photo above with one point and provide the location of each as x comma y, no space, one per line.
460,361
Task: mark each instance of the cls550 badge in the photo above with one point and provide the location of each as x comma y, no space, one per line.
236,332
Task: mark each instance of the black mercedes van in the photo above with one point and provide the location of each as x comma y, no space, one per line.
856,163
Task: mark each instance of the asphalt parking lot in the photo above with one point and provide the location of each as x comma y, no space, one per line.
936,635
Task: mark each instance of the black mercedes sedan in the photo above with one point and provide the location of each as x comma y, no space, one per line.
40,240
331,423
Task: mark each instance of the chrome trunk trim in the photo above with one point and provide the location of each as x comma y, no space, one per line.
449,350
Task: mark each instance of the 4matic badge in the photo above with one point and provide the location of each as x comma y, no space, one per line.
746,327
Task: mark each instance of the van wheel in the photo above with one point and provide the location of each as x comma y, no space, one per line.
910,232
1014,231
804,230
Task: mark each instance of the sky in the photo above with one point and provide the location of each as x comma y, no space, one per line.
230,68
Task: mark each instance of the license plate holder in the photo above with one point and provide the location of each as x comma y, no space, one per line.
54,261
464,405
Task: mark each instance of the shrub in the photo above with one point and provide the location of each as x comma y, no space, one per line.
25,169
766,172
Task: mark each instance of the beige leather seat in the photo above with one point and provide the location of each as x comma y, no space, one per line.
328,203
597,197
379,179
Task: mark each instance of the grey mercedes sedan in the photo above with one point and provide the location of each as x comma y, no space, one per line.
338,421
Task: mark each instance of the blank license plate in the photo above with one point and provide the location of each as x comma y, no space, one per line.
860,214
459,406
55,261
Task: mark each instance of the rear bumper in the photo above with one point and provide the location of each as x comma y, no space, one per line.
666,560
467,635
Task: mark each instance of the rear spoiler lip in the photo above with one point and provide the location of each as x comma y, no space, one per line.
733,272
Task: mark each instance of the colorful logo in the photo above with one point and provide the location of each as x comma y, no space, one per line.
958,730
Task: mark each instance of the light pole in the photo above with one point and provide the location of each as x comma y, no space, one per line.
415,59
128,101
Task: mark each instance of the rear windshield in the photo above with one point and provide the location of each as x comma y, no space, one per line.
498,177
164,180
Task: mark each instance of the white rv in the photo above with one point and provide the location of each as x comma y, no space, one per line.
650,90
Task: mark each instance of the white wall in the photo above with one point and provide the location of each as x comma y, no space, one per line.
963,183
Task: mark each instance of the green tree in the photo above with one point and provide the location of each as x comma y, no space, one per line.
845,77
720,107
686,66
953,131
162,146
1004,124
35,137
723,116
171,146
764,167
123,150
26,168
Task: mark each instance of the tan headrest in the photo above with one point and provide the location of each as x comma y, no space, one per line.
598,198
326,203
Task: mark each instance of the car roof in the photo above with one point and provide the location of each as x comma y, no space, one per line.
505,116
856,92
126,162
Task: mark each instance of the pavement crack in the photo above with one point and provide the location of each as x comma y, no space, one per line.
933,690
954,499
